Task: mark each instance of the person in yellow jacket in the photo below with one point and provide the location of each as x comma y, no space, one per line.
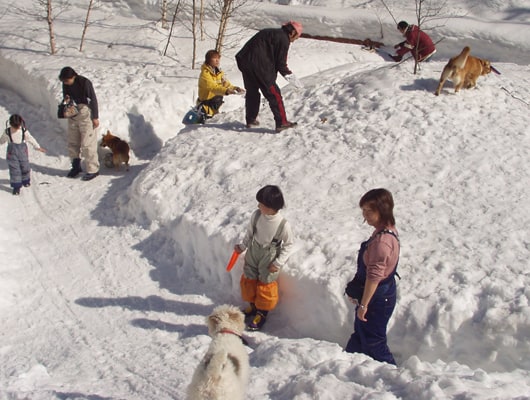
213,86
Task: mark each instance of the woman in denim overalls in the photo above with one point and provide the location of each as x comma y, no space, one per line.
376,266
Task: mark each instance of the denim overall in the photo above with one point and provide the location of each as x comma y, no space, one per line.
370,337
18,162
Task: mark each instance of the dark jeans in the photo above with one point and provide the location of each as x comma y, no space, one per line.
370,337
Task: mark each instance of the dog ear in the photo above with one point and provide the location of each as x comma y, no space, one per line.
213,321
486,67
237,318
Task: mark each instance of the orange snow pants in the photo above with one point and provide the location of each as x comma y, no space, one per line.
263,295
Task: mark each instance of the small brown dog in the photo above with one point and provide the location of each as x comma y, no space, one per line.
464,71
120,149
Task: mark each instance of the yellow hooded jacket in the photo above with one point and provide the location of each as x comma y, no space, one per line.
212,83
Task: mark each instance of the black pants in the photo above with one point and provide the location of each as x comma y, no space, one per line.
253,85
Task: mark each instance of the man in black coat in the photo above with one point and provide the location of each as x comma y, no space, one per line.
260,60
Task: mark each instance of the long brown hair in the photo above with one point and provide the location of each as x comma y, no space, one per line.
380,200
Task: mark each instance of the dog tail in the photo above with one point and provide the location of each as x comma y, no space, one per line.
461,59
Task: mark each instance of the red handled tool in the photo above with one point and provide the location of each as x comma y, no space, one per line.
232,261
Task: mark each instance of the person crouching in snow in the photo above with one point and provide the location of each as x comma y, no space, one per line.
268,243
213,85
417,42
17,158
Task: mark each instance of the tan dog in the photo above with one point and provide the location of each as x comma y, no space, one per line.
120,149
464,71
224,370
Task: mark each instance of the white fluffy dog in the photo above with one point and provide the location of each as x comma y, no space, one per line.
223,372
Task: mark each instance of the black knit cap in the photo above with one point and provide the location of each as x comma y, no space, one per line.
402,25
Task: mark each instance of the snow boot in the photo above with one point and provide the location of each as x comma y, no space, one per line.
252,124
89,176
76,168
258,321
250,312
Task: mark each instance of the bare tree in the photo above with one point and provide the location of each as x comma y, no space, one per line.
46,11
225,10
163,18
177,8
86,24
49,19
427,11
201,19
194,32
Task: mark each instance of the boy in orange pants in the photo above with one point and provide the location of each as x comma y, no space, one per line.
268,242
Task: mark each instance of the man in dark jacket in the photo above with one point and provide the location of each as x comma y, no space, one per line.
260,60
82,140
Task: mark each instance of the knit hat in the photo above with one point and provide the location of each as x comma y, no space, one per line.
296,25
402,25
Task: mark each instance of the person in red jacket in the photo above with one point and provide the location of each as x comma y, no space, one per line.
417,42
259,61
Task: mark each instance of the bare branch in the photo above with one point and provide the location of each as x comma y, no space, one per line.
86,25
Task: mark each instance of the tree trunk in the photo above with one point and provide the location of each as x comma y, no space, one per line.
164,15
194,33
226,11
201,19
50,27
172,26
86,25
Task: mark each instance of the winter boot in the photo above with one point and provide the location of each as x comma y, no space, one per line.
89,176
16,191
249,310
76,168
285,126
252,124
258,321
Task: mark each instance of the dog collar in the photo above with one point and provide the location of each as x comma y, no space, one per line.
234,333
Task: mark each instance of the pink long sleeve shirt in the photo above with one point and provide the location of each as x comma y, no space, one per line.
381,256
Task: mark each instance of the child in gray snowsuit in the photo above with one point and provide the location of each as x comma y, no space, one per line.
17,158
268,243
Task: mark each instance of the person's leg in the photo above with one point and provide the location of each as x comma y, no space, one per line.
73,139
15,172
373,332
354,344
25,168
274,96
248,288
89,141
252,97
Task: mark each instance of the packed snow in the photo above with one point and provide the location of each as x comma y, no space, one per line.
105,285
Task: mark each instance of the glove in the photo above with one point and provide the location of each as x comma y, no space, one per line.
293,80
235,90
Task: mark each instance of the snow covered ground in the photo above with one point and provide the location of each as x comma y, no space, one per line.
104,285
